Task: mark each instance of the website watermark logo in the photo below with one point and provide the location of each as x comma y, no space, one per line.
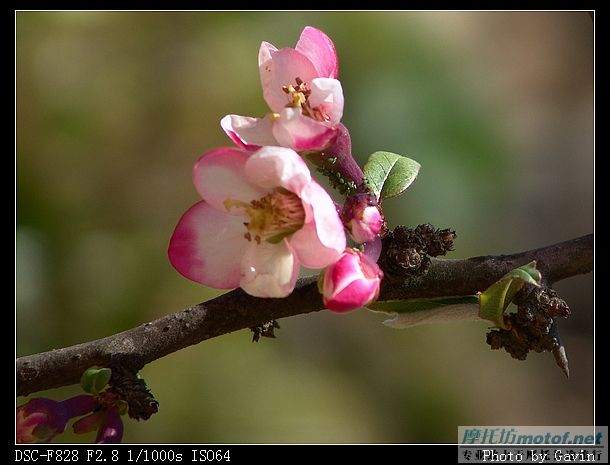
532,444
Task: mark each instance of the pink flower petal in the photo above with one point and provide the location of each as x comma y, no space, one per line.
300,132
327,95
269,270
207,246
219,175
282,69
343,273
320,50
249,133
358,294
308,249
321,240
328,224
273,167
264,52
351,282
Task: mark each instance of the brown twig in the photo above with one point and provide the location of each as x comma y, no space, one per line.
134,348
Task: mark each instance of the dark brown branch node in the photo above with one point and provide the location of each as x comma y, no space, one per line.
533,326
407,251
133,390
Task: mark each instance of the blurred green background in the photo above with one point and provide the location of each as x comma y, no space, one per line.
114,108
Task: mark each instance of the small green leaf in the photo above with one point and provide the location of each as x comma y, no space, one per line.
419,305
497,297
413,312
94,380
388,174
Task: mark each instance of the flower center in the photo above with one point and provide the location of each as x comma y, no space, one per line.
299,97
272,217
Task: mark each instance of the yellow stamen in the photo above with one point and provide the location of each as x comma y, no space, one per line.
299,98
272,217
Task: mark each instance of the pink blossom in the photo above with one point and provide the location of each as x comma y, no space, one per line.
351,282
362,217
261,216
301,88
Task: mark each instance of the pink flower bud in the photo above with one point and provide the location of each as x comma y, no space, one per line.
351,282
362,217
40,419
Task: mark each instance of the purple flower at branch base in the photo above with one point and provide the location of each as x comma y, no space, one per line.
111,431
89,423
40,419
106,419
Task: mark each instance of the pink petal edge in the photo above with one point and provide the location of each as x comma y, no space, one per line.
207,246
320,50
247,132
329,227
342,273
300,132
321,241
355,295
264,52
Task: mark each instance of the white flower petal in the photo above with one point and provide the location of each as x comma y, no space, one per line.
269,270
249,133
272,167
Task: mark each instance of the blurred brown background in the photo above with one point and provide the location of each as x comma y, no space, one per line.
114,108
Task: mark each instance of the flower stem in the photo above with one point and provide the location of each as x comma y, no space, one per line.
339,165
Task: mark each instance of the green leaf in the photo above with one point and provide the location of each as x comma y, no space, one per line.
496,299
94,380
419,305
413,312
388,174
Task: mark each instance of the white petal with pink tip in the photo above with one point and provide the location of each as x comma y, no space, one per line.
219,175
249,133
209,256
264,52
272,167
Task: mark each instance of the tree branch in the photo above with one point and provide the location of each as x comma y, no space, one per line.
134,348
